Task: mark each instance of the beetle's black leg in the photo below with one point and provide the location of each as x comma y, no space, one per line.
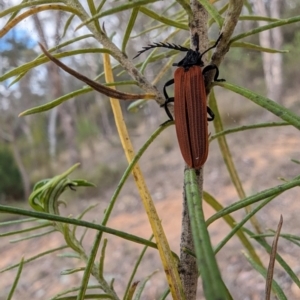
211,114
167,84
168,99
212,67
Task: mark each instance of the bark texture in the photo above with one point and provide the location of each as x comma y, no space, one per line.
272,62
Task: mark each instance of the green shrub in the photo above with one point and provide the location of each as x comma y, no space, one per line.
10,177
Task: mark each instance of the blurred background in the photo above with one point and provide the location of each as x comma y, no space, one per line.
82,130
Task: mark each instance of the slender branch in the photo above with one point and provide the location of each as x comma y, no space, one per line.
231,19
117,53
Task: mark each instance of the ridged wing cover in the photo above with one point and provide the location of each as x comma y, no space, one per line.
190,112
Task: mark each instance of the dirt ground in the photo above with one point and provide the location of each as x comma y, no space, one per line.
262,157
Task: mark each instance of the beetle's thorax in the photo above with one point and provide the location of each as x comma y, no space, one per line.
192,58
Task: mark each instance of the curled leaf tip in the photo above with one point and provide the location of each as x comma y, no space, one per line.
78,27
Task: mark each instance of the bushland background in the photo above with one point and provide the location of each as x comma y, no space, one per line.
82,130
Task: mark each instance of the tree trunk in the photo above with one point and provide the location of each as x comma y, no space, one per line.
272,63
65,110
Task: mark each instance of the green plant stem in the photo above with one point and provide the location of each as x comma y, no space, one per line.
247,127
255,198
56,218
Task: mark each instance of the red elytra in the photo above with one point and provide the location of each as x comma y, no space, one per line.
190,113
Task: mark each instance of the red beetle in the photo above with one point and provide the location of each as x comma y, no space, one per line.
190,108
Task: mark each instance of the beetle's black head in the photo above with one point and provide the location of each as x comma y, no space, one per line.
192,58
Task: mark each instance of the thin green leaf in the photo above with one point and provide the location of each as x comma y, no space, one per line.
32,236
277,289
54,103
17,221
25,230
272,106
120,83
84,234
16,281
67,25
220,12
235,228
162,19
256,47
70,255
255,198
247,127
257,18
185,5
72,271
115,10
70,239
90,266
58,101
265,27
248,6
27,66
94,12
136,105
213,12
291,240
164,12
129,27
149,29
100,5
74,289
289,237
34,258
56,218
101,260
33,11
213,285
165,295
16,8
15,13
81,215
87,296
112,283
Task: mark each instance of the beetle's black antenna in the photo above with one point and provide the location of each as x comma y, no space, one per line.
162,45
213,46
